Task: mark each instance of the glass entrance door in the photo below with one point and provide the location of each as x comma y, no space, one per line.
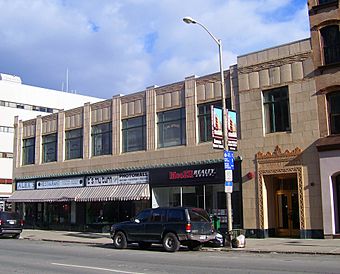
287,208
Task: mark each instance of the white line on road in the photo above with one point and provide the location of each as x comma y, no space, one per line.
97,268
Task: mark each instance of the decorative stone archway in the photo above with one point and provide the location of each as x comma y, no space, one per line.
278,163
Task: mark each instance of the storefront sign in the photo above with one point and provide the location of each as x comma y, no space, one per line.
192,173
25,185
114,179
60,183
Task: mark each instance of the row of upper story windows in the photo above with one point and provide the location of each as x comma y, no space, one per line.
171,129
27,106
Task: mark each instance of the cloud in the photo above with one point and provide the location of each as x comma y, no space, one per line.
123,46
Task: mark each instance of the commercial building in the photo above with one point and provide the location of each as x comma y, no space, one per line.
102,162
17,99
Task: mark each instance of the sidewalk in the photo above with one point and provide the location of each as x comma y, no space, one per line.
268,245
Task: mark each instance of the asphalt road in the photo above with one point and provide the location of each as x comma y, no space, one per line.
24,256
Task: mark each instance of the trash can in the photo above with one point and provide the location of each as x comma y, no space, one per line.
216,222
238,238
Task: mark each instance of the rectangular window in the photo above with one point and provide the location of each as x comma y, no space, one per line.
134,134
276,110
102,139
331,44
171,128
204,119
326,1
28,151
74,144
49,148
334,112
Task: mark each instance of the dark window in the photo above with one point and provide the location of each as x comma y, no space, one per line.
176,215
327,1
74,144
276,110
158,215
28,151
198,215
144,215
102,139
49,148
171,128
134,134
331,44
334,112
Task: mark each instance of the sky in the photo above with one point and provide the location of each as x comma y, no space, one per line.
110,47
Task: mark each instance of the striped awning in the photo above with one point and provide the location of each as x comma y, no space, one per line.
84,194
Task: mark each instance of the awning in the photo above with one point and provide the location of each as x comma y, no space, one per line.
84,194
115,193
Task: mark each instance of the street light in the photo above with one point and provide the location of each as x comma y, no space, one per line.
190,20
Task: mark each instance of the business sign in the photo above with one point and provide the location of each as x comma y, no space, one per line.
60,183
192,173
217,127
232,130
25,185
115,179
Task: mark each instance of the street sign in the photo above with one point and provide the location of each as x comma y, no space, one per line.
228,187
229,160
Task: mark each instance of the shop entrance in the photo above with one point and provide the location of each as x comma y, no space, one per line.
287,208
337,204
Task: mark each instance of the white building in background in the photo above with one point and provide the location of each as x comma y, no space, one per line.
17,99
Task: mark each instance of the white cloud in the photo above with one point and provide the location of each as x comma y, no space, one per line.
123,46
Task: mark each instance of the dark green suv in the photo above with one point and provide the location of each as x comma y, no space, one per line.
10,224
171,227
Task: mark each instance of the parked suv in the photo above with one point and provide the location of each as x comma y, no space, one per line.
10,224
171,227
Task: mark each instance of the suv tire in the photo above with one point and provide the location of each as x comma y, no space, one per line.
170,242
119,240
16,236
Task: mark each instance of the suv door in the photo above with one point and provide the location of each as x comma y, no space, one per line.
136,229
155,226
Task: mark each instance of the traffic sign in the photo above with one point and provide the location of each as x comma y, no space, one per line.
229,160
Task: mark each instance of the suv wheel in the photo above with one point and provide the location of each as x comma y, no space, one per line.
119,240
16,236
170,242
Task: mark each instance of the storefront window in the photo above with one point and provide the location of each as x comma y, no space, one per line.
60,213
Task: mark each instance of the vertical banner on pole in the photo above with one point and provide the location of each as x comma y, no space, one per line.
217,127
232,130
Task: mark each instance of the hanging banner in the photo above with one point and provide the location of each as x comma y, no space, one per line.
217,127
232,130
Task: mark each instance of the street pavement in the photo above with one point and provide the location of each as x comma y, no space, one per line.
267,245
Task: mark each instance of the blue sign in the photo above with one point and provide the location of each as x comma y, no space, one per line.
229,160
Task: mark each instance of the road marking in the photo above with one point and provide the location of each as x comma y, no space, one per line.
97,268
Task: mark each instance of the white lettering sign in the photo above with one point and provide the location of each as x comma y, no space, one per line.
26,185
101,180
114,179
60,183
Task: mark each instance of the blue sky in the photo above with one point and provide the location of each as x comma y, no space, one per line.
114,47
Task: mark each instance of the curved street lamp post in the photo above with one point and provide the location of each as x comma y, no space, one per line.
190,20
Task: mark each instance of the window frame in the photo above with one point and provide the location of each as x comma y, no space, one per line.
330,49
73,140
332,115
47,143
277,110
168,119
101,137
28,151
131,126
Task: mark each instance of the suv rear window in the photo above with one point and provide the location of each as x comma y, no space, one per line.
9,215
176,215
198,215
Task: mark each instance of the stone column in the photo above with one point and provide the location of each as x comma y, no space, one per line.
191,110
151,124
116,125
38,140
87,131
61,136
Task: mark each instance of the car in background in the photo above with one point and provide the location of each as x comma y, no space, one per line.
169,226
10,224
